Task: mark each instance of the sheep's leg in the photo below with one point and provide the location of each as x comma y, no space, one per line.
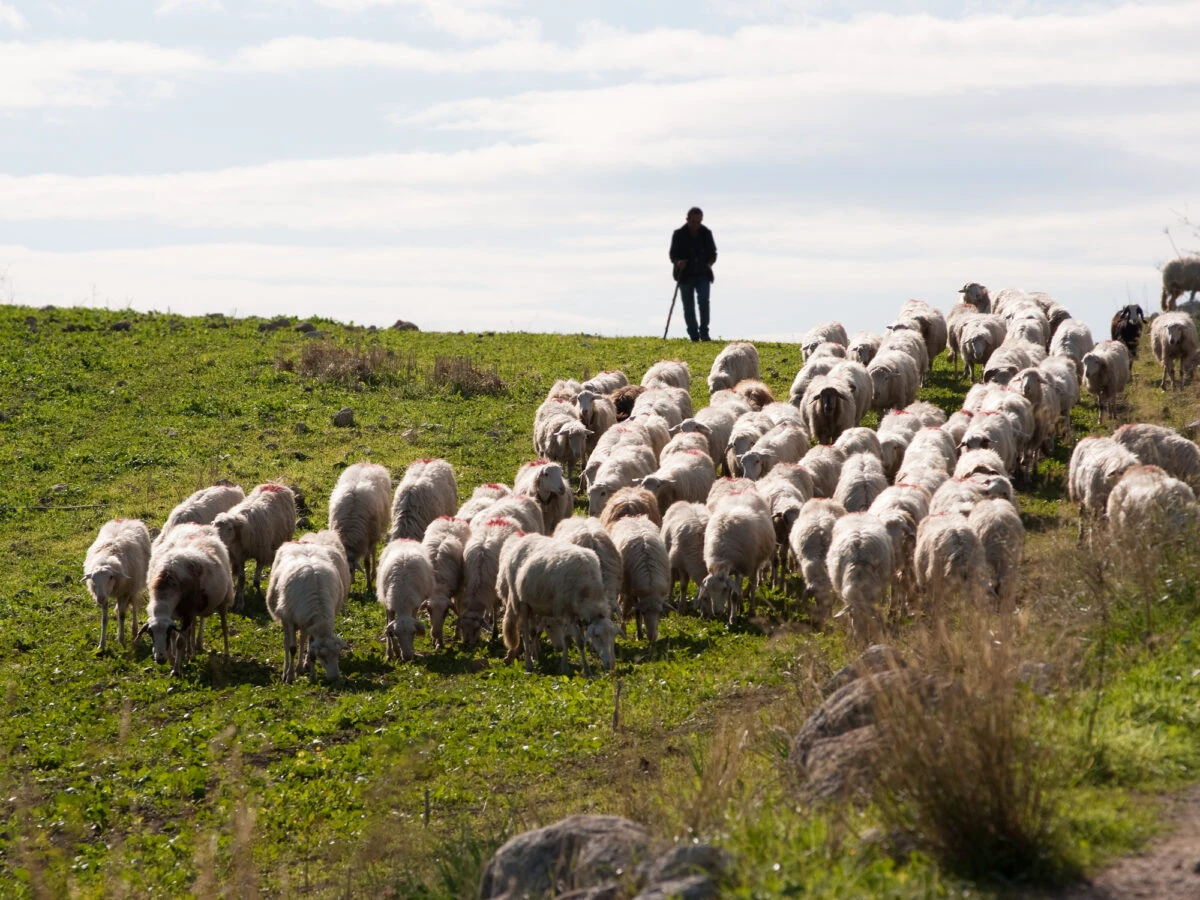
582,641
684,604
198,631
239,594
258,567
122,610
638,619
104,626
225,632
528,638
289,653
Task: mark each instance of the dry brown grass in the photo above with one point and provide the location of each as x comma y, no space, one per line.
463,376
334,363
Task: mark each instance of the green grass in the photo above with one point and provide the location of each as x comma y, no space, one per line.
116,775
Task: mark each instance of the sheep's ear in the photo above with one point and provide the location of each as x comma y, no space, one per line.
145,629
704,429
340,644
674,429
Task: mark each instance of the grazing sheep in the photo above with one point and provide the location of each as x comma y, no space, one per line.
673,404
427,490
1106,372
786,488
824,465
948,561
738,543
958,316
358,513
756,393
1002,536
445,542
1073,339
1173,338
1180,276
631,432
980,336
606,382
745,434
1097,464
863,347
825,332
809,542
254,529
404,584
828,349
684,442
783,443
686,476
958,423
724,487
544,482
668,373
560,437
202,507
1020,414
631,501
716,423
525,511
974,462
927,414
481,498
860,567
977,296
189,580
303,596
1157,445
481,560
115,569
1147,506
683,530
597,413
907,340
591,534
646,573
328,539
932,325
738,361
1126,327
1047,407
623,399
859,440
1060,374
860,482
627,465
992,431
547,580
895,379
820,365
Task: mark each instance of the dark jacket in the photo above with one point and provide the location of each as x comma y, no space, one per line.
700,251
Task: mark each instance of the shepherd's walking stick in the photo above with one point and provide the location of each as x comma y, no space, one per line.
671,310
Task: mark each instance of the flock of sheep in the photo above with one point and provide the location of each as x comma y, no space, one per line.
897,520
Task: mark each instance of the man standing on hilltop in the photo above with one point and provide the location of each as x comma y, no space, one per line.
693,252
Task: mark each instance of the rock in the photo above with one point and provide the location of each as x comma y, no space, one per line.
402,325
275,324
578,852
305,327
343,418
839,766
875,659
686,860
31,323
301,428
315,334
59,488
120,326
697,887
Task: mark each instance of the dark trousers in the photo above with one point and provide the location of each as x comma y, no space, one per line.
691,290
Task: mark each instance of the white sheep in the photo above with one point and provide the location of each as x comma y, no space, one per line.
303,596
189,579
906,340
781,413
525,511
1072,340
730,399
735,362
895,379
685,477
686,441
1106,372
716,424
860,567
979,337
673,404
992,431
957,424
543,480
1010,358
445,542
824,465
827,349
254,529
956,318
933,326
786,488
960,494
933,444
1097,464
566,389
625,433
896,430
558,435
481,560
359,513
427,490
863,347
646,573
1157,445
724,487
859,440
975,462
819,365
481,498
656,429
546,581
202,507
115,569
328,539
1029,324
738,543
829,408
1147,506
860,482
785,443
927,414
404,584
683,530
587,532
809,541
825,332
597,413
1002,536
606,382
745,434
1173,338
668,373
627,465
948,561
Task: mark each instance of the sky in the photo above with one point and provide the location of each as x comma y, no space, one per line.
520,165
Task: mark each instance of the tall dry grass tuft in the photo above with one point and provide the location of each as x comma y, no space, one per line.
461,375
335,363
964,769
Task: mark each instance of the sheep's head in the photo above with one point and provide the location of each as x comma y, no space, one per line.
602,636
571,439
470,628
100,583
661,488
586,401
718,381
598,495
230,529
1029,384
718,591
551,482
828,399
1174,333
880,376
1094,367
691,425
328,651
163,636
651,610
1001,374
754,464
400,634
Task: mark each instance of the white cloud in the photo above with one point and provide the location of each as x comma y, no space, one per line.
171,7
466,20
11,16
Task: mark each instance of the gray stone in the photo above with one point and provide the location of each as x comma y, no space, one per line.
402,325
686,860
315,335
305,327
577,852
344,417
610,890
838,767
875,659
697,887
120,326
301,428
274,324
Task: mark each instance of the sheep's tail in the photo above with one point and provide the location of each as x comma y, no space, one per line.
512,630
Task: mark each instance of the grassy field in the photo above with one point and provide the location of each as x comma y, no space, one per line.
120,781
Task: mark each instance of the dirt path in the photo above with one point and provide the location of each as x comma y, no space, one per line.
1168,869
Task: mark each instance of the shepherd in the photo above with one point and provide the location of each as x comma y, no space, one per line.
693,253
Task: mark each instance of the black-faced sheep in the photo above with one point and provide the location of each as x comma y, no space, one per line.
1126,327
